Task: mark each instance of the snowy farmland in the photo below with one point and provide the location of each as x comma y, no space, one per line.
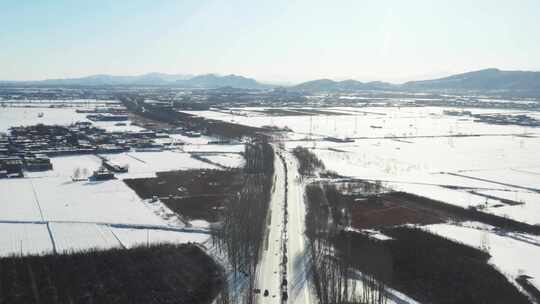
370,122
146,164
17,116
419,150
48,211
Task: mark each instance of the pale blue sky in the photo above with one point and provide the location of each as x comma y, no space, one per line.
280,40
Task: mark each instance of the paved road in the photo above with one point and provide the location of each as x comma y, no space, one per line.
298,257
288,192
269,276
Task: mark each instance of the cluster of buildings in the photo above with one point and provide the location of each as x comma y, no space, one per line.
78,138
517,120
107,117
498,119
13,166
28,148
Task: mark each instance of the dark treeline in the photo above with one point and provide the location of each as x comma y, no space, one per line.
241,233
429,268
349,267
523,280
169,115
335,278
309,163
330,273
155,274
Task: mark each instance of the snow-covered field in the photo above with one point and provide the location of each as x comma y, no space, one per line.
146,164
87,102
137,237
34,238
235,148
53,196
228,160
413,149
48,210
17,239
74,237
81,215
409,148
372,122
10,117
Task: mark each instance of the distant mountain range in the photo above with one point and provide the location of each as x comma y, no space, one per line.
488,80
146,79
345,85
214,81
152,79
483,80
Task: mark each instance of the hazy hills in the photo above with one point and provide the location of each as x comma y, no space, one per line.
345,85
483,80
97,80
488,80
214,81
152,79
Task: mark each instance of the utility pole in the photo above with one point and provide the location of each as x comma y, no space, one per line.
310,127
